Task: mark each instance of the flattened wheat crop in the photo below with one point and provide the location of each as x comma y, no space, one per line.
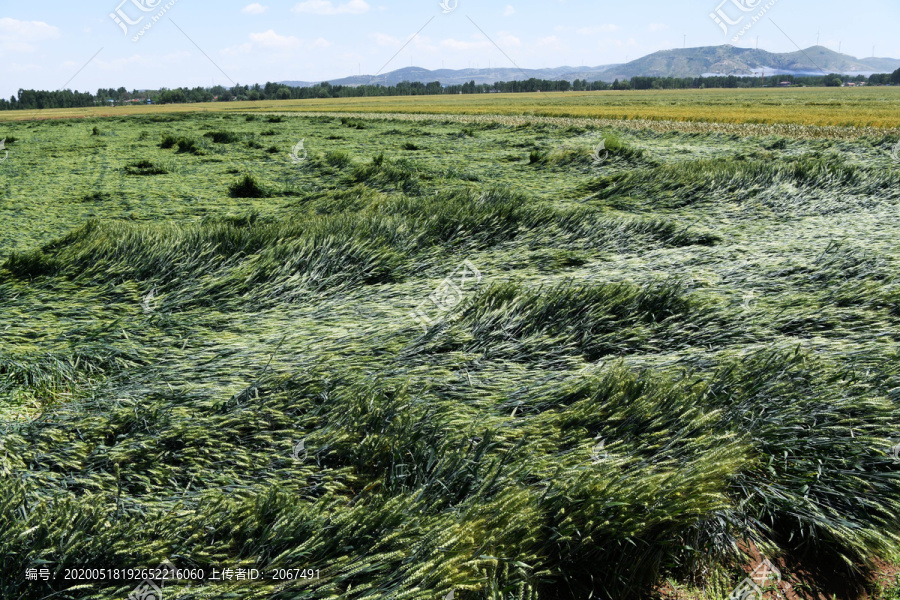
446,354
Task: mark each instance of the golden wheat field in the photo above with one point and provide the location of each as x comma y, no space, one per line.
875,107
845,107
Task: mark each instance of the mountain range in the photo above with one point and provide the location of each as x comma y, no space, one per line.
686,62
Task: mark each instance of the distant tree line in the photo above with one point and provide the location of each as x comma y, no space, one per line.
732,81
31,99
35,99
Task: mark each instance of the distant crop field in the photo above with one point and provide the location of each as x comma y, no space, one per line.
874,107
843,107
424,358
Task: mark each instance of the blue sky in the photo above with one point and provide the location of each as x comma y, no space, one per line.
46,43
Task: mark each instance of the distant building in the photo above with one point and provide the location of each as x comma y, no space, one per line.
785,83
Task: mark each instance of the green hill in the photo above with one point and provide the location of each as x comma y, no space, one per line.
731,60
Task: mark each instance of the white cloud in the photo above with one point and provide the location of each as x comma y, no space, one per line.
254,9
245,48
509,11
618,44
325,7
461,45
127,63
504,39
550,40
20,36
270,39
508,40
609,28
273,42
658,26
20,68
383,39
423,44
419,42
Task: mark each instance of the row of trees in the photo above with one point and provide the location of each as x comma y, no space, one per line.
31,99
731,81
34,99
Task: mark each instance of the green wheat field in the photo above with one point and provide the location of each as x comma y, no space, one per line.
429,359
